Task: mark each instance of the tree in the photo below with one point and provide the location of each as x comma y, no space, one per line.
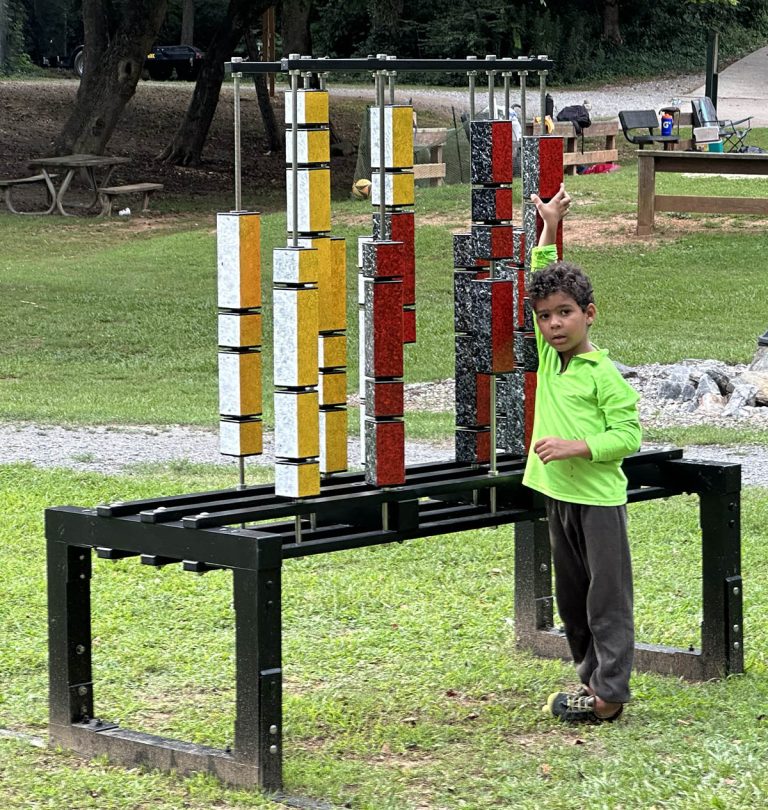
3,33
294,27
186,146
187,23
611,30
114,58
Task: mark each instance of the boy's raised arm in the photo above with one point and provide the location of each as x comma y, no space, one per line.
551,213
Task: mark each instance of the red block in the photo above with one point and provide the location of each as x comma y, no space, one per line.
383,328
483,387
502,326
403,230
529,398
550,166
558,238
504,203
383,259
383,398
385,453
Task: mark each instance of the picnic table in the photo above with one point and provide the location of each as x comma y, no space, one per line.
68,166
648,201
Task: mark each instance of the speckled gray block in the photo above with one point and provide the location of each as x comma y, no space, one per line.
526,353
462,250
510,401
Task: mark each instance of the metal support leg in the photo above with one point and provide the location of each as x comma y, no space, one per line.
533,582
69,636
722,635
258,722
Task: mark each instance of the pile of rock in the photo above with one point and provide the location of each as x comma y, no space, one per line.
711,387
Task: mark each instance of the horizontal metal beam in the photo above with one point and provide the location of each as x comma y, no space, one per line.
373,63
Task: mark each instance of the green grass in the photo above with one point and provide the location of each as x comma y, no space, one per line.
103,323
404,687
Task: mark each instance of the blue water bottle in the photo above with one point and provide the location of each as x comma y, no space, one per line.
666,123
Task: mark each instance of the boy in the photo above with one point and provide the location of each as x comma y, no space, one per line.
585,423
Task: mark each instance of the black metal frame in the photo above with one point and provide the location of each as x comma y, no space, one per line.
204,531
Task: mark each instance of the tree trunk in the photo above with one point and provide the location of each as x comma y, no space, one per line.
3,33
611,30
294,27
271,131
188,23
186,146
113,65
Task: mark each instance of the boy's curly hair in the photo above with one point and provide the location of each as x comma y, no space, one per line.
562,277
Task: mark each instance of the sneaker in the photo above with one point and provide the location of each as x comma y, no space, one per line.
576,708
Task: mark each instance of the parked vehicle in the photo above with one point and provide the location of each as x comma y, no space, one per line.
161,62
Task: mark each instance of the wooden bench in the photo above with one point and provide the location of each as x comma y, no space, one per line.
9,185
573,156
107,195
648,201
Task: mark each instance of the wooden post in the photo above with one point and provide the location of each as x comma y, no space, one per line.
646,192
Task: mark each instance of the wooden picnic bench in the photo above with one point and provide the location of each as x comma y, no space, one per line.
9,185
603,152
433,139
107,195
648,201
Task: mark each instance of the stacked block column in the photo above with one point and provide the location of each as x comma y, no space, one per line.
483,296
296,275
239,333
387,295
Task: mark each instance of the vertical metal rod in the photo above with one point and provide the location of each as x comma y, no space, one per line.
295,147
543,98
491,89
391,81
523,93
241,472
385,516
297,527
323,80
507,78
380,79
238,165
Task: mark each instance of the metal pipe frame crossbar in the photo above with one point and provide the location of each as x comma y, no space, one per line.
384,62
204,531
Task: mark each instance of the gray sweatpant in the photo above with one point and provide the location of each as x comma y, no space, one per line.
593,586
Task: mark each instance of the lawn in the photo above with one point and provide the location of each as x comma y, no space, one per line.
404,688
110,322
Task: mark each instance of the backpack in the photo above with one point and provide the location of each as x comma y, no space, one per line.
578,115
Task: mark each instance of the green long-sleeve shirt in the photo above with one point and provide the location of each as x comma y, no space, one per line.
589,401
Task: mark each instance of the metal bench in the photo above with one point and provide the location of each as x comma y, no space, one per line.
632,120
9,185
107,195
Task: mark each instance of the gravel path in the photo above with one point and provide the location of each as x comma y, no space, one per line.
117,449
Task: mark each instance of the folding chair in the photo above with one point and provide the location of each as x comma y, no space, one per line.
731,133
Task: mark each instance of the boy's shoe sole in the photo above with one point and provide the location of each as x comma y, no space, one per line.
576,708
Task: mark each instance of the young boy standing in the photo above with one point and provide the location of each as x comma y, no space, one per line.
585,423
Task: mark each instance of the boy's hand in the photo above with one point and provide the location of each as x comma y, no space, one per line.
554,210
551,448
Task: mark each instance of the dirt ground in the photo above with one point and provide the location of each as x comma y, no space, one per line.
32,112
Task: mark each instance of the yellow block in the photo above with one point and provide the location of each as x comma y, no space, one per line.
239,260
295,265
333,314
399,188
314,199
332,351
333,441
333,388
240,383
241,438
295,328
398,137
312,107
238,329
297,480
296,424
314,146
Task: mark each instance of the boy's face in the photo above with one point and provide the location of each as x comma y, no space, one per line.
563,324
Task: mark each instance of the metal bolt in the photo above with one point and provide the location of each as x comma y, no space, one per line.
84,712
732,506
81,557
736,645
161,509
543,568
273,729
735,628
82,690
82,576
272,749
80,649
735,591
731,524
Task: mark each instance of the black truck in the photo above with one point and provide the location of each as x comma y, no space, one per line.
160,64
